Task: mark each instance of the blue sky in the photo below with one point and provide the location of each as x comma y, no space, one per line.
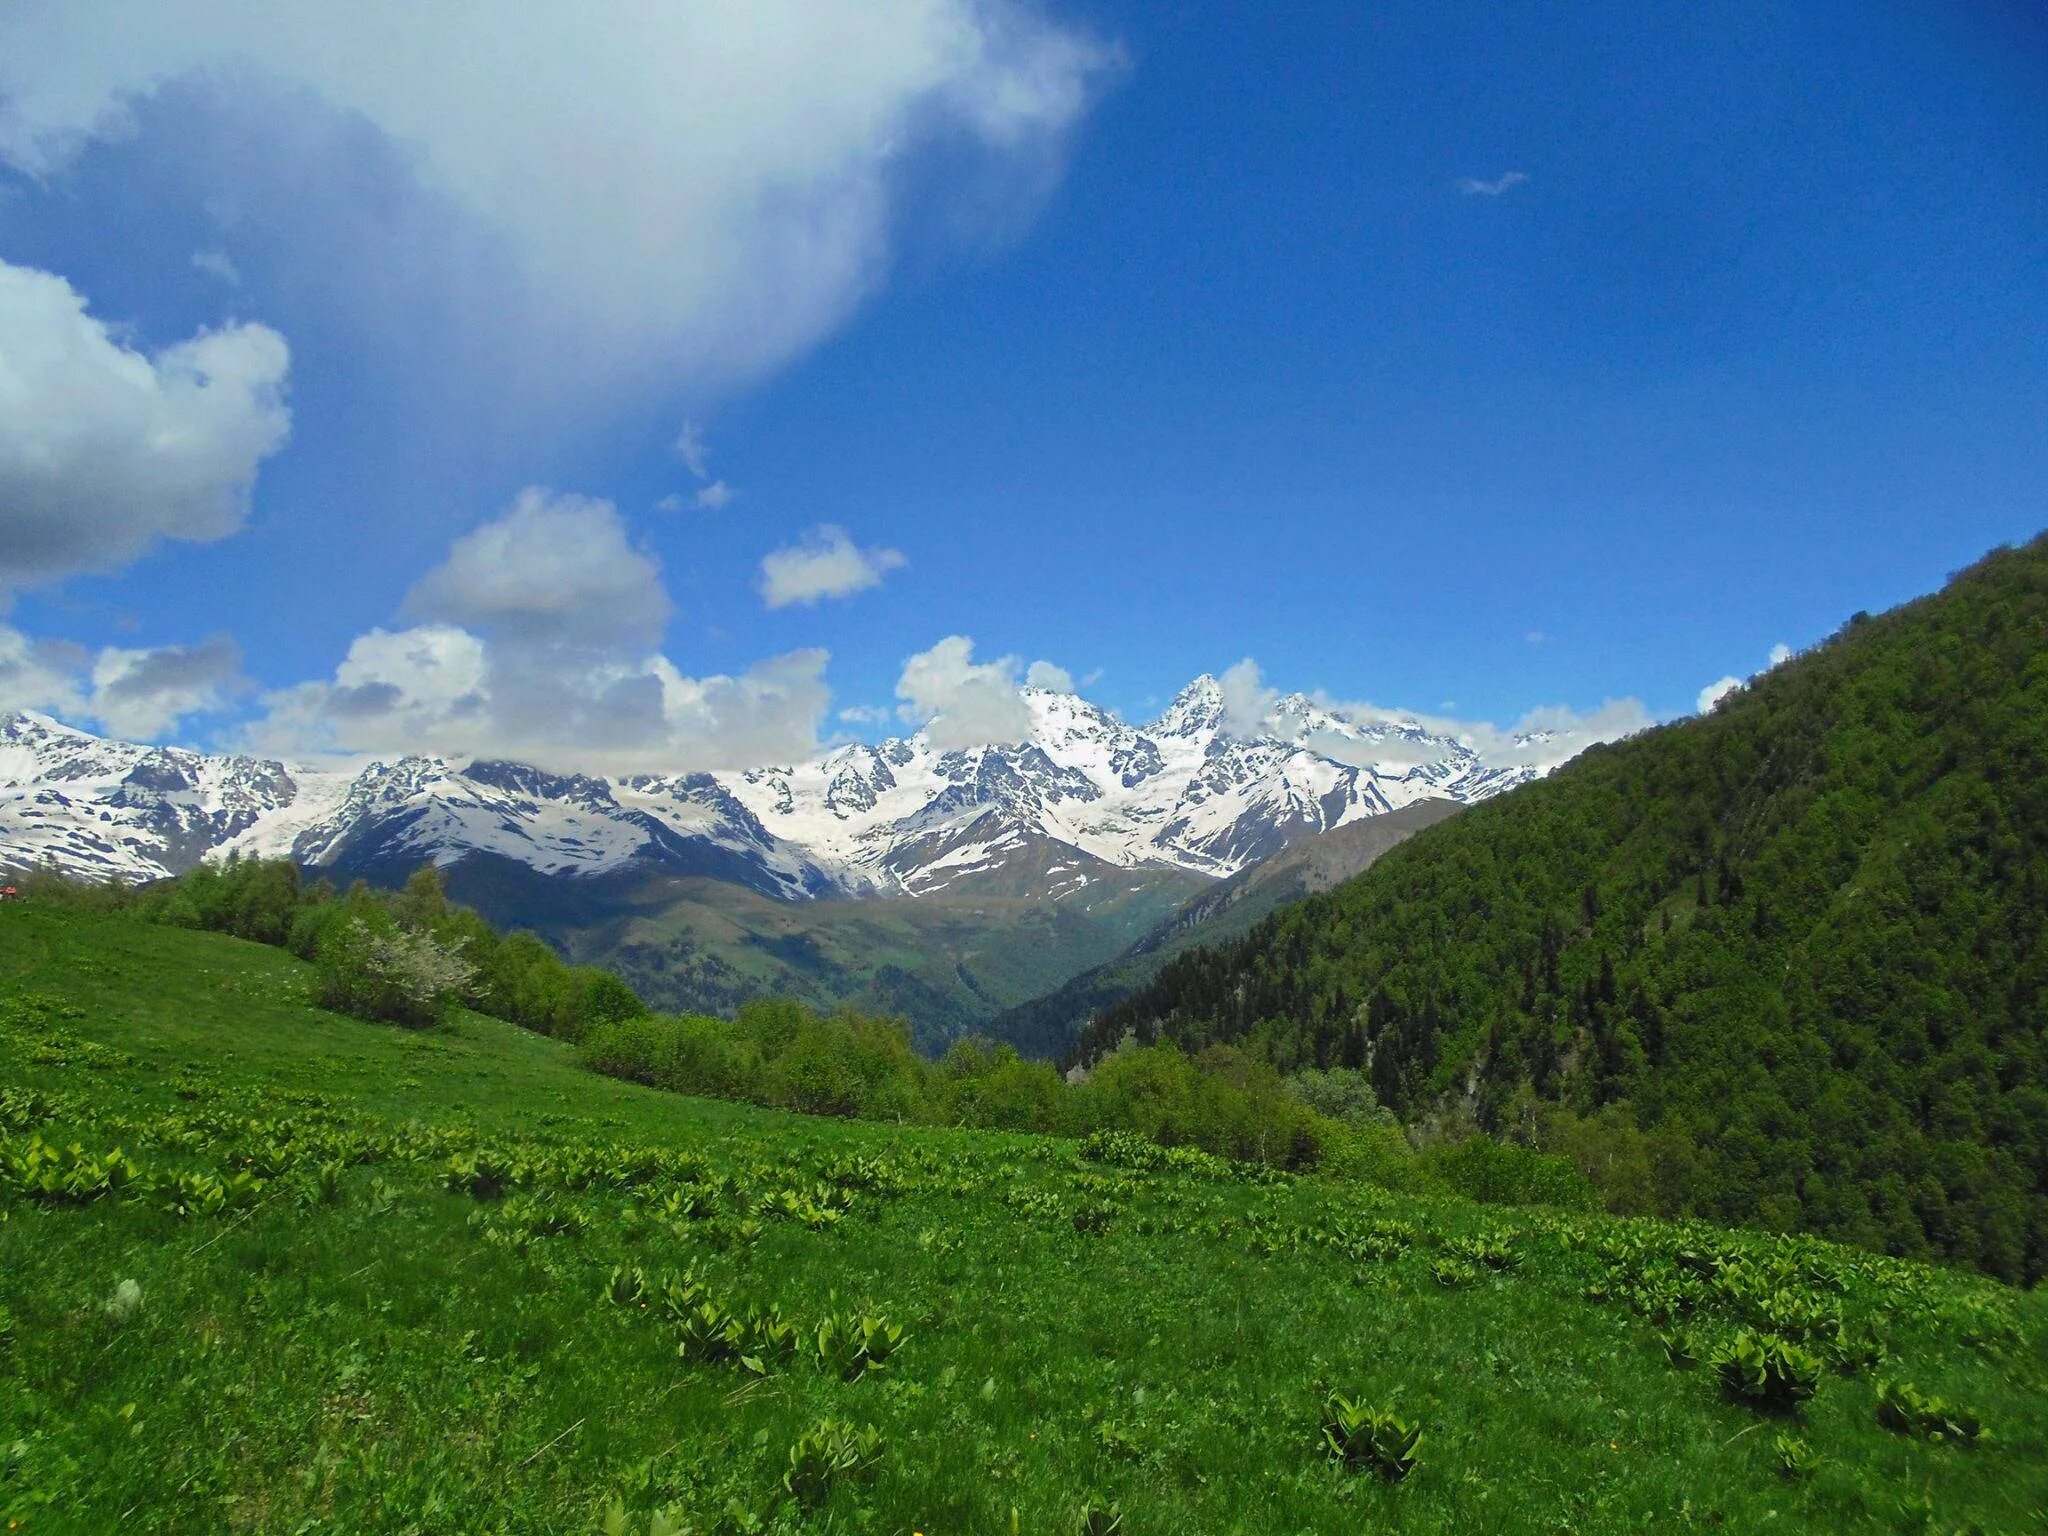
1455,359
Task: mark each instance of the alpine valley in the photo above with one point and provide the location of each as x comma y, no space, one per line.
946,886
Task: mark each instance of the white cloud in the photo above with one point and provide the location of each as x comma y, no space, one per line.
1555,733
824,563
962,702
1507,181
1044,674
866,714
537,643
1248,704
699,189
1543,738
442,690
670,503
44,675
217,264
552,569
690,449
713,497
1714,693
143,694
105,450
1537,637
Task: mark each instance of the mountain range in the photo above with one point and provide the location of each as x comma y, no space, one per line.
949,885
1083,794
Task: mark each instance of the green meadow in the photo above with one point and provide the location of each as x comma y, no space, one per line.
265,1268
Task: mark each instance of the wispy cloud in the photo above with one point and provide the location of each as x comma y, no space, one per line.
1507,181
690,449
216,264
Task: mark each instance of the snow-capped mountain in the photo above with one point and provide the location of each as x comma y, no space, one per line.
1085,793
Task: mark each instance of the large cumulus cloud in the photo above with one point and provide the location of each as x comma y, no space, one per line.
105,449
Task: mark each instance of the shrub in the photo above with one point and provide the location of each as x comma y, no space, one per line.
1795,1458
1343,1094
387,974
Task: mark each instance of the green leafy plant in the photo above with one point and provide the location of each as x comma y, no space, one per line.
1452,1273
1681,1350
482,1175
1907,1411
1486,1252
1099,1520
850,1344
626,1287
1852,1349
1796,1459
707,1333
829,1453
1375,1439
1766,1371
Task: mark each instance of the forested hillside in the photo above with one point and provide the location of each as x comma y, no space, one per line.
1048,1025
1781,965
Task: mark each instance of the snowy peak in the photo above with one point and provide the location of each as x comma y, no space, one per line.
1196,710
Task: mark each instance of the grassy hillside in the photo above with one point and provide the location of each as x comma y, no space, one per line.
947,963
1782,964
1049,1025
344,1277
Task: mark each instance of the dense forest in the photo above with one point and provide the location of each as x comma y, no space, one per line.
1783,964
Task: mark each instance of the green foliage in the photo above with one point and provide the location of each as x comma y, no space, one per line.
782,1054
1370,1439
376,971
1504,1173
1766,1371
1907,1411
406,957
1781,965
828,1454
1340,1093
1795,1458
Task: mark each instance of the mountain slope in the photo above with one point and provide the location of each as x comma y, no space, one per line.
1048,1025
1801,939
947,962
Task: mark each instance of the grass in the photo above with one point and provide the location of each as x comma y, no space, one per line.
368,1348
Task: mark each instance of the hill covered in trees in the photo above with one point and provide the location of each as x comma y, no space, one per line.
1781,965
1049,1024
